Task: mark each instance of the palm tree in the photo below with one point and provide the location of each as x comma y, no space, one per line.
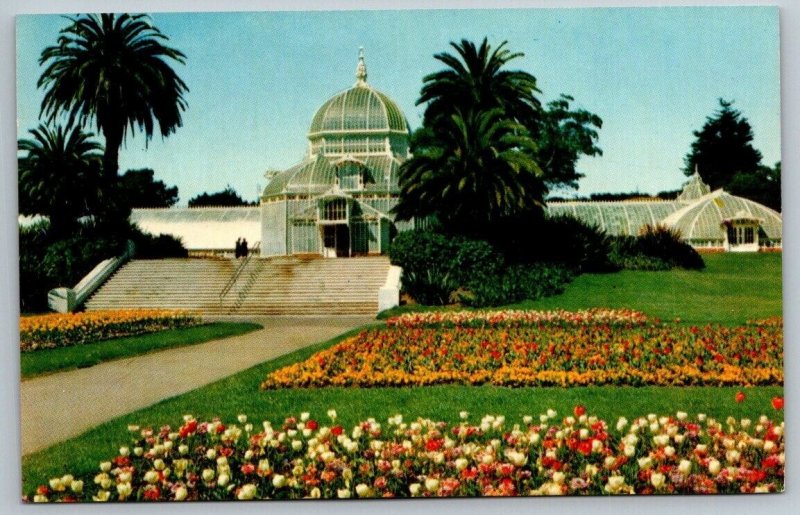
59,176
478,82
473,160
474,170
112,70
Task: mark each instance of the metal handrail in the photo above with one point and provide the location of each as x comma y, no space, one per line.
239,270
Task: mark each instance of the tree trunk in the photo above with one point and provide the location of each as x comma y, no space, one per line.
113,135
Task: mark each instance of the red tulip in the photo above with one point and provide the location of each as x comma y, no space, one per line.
579,410
739,397
777,402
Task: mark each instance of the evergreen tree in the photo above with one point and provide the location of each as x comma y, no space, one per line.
723,148
226,197
141,189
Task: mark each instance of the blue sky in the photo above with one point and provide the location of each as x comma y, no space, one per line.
652,74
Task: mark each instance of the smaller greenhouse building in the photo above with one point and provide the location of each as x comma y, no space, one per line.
710,220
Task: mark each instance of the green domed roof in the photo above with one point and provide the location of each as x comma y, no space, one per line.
358,109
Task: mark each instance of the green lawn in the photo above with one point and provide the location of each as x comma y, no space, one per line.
732,289
86,355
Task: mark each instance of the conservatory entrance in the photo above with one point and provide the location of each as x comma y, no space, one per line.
335,240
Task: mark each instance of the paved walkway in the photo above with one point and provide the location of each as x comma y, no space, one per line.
63,405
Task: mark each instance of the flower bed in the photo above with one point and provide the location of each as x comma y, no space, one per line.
518,317
567,349
62,330
544,455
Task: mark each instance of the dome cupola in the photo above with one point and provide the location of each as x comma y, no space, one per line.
359,120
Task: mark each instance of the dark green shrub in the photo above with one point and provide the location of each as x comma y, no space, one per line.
656,248
148,246
568,241
435,265
517,283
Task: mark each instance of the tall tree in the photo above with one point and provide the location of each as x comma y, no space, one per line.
475,80
762,186
140,189
478,170
562,136
113,71
226,197
723,148
59,176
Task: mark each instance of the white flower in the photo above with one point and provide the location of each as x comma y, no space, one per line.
629,450
657,480
279,481
222,461
151,476
315,493
645,462
745,423
102,496
124,490
40,498
124,477
761,489
181,493
362,490
105,466
77,486
343,493
681,415
138,451
551,413
414,488
714,467
669,451
769,445
701,417
211,454
332,414
583,433
685,467
463,415
223,480
247,492
461,464
558,477
207,475
57,485
431,484
527,419
242,418
297,445
732,456
159,464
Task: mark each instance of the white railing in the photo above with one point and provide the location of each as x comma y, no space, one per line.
389,294
66,300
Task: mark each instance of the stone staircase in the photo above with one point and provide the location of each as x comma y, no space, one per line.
290,285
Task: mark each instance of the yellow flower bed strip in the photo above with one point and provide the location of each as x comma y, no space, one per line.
567,350
62,330
545,455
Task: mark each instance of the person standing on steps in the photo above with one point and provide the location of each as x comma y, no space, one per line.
238,250
245,250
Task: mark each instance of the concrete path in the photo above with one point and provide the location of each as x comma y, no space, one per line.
63,405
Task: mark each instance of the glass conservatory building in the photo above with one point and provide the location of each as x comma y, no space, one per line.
337,201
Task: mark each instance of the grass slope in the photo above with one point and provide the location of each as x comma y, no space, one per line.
732,289
86,355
